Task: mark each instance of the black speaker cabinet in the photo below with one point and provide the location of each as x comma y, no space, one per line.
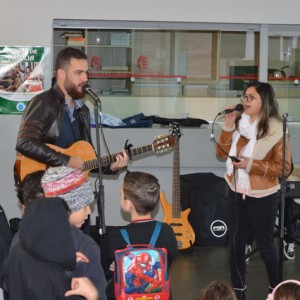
205,194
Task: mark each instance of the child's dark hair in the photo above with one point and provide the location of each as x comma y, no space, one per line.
30,187
217,290
143,190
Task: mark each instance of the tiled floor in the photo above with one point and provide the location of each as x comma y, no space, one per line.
191,273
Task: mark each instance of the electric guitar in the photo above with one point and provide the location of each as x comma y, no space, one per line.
174,216
25,165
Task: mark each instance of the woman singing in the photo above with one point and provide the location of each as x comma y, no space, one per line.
255,137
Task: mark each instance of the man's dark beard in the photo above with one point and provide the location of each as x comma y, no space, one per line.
73,92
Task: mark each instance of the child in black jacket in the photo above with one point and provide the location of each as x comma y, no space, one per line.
139,197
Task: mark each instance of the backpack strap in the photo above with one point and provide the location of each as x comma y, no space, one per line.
155,233
154,236
125,236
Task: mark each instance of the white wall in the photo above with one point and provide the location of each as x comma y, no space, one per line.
196,155
8,133
29,23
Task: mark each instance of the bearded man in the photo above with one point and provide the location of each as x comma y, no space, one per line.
58,116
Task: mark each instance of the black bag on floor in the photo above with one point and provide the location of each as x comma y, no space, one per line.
205,194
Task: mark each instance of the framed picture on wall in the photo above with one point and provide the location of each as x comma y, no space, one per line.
21,76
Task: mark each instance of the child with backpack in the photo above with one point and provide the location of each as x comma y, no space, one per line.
140,194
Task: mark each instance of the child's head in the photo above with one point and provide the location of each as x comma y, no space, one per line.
73,187
286,290
217,290
43,221
30,188
142,190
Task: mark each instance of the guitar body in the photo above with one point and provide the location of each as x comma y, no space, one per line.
26,165
183,230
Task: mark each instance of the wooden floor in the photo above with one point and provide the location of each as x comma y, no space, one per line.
190,273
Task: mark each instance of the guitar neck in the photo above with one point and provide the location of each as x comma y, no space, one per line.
176,205
107,160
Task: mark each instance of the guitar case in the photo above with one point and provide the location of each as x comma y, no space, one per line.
205,194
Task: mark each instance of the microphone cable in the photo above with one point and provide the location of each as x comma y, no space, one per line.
233,158
234,236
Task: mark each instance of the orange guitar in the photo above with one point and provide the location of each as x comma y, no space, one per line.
174,216
26,165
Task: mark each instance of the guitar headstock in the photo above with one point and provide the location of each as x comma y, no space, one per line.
175,127
163,142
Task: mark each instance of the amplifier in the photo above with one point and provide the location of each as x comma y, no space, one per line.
292,189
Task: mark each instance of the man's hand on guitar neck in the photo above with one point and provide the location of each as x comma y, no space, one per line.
121,161
76,162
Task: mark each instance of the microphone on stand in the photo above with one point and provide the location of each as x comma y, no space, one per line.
238,107
87,89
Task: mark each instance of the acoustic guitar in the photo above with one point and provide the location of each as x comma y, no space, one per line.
25,165
173,214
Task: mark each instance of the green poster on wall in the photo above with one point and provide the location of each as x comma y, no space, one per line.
21,77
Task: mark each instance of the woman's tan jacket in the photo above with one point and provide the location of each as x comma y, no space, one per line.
265,166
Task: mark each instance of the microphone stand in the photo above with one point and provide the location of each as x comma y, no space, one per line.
99,195
282,203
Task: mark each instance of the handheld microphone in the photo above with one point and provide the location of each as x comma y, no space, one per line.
238,107
87,89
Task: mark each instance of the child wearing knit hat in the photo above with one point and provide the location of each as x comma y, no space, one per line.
73,187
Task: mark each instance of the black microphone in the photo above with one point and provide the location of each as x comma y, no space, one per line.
238,107
87,89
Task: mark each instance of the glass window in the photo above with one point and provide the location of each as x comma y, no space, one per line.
178,63
239,59
186,60
284,70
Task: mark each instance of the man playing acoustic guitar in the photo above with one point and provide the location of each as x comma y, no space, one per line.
57,117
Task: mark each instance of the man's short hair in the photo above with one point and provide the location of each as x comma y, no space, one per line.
64,56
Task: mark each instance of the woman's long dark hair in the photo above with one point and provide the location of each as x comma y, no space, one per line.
269,107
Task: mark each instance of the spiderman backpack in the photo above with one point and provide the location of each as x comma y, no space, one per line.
141,270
